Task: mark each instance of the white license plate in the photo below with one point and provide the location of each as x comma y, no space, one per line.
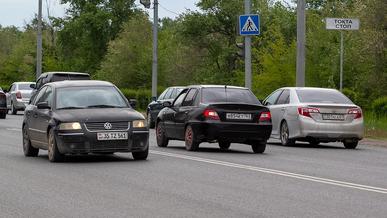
333,116
103,136
235,116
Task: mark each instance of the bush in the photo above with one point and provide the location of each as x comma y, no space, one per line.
379,106
143,97
351,95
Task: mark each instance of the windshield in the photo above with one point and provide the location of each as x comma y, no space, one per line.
176,92
89,97
223,94
24,86
322,96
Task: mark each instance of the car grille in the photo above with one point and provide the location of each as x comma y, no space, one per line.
100,126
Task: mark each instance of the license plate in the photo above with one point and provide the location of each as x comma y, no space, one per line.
235,116
103,136
333,116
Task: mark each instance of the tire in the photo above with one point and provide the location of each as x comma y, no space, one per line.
142,155
191,141
224,146
259,147
162,140
53,153
28,150
350,144
13,109
284,135
151,123
3,115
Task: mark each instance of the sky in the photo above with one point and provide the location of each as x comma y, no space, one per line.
20,12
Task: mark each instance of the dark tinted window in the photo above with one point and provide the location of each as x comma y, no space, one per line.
322,96
83,97
188,101
214,95
24,86
284,97
61,77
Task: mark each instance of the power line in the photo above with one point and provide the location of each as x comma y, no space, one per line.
168,10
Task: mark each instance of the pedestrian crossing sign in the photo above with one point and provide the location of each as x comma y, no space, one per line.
249,25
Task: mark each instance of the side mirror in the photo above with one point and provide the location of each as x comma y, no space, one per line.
43,105
33,86
133,103
167,104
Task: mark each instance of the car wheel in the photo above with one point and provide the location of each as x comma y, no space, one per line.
191,142
141,155
259,147
28,150
151,124
13,109
284,134
224,146
53,153
350,144
3,115
162,140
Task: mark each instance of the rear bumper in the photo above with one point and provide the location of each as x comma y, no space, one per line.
20,104
86,142
332,131
232,132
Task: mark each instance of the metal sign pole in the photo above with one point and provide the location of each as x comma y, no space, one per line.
248,50
341,60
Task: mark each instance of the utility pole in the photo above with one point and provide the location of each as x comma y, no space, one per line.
39,42
300,74
341,60
248,50
154,62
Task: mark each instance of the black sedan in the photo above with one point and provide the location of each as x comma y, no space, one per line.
3,105
155,107
81,117
213,113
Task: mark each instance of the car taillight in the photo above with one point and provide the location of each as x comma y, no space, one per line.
210,114
306,111
356,111
18,95
265,117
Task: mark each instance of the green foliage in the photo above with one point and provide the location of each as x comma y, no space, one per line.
143,97
379,106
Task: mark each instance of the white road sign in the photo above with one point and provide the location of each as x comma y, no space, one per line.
342,24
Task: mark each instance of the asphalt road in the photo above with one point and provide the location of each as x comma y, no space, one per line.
300,181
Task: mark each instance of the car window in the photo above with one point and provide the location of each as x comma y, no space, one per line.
24,86
39,96
224,94
89,97
284,97
161,97
168,94
322,96
188,101
179,99
176,92
61,77
47,97
273,97
39,83
13,87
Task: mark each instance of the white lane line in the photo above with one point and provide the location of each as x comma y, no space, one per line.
14,129
277,172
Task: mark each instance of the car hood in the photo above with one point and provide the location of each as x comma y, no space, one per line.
98,115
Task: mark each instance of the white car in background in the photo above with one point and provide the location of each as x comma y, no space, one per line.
314,115
18,96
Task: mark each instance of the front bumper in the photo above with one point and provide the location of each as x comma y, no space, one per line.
232,131
330,131
86,142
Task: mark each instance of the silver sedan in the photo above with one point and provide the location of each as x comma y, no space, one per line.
314,115
18,96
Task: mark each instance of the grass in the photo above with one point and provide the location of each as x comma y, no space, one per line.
375,126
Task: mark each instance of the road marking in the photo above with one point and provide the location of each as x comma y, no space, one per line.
14,129
276,172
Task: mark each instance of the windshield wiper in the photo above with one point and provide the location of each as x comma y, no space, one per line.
104,106
65,108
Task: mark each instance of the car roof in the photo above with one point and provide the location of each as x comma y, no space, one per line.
77,83
307,88
64,73
216,86
23,82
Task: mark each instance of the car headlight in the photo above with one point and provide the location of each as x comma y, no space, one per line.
70,126
139,124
